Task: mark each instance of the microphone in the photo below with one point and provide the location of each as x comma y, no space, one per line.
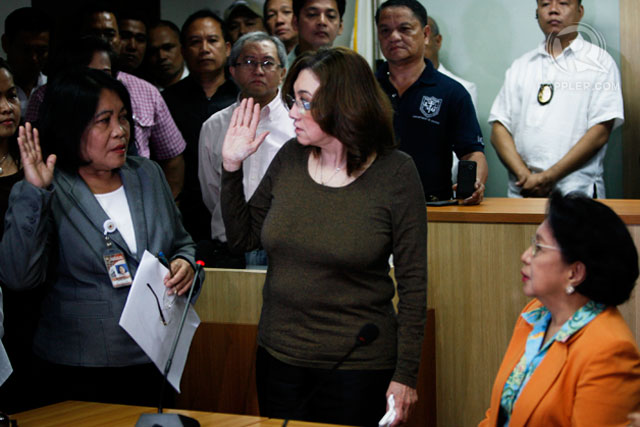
368,334
173,420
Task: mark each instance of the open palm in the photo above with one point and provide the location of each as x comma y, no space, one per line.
36,171
240,141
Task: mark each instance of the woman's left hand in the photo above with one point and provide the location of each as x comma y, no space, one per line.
405,397
180,278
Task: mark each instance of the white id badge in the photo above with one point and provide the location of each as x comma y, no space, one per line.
118,269
114,260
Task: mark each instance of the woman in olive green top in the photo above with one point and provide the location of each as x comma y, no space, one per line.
336,202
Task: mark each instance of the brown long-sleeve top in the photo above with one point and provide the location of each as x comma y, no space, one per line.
328,251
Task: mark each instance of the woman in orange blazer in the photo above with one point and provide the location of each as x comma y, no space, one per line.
572,360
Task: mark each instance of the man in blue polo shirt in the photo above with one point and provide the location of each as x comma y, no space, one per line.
433,113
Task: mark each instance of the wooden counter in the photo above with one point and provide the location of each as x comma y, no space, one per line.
88,414
476,290
520,211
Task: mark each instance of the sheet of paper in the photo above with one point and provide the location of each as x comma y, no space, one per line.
142,320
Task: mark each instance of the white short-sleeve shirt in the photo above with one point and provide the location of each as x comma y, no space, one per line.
586,91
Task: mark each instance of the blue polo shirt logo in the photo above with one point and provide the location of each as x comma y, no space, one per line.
430,106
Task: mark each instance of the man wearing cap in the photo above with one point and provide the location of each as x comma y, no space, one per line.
242,17
558,105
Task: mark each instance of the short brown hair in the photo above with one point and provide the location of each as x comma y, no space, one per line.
349,104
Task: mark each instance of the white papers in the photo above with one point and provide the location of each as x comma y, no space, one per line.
141,318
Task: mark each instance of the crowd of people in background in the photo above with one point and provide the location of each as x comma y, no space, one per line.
253,119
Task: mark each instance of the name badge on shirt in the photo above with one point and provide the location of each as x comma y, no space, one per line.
115,260
545,93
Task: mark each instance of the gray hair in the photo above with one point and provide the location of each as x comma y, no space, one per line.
257,36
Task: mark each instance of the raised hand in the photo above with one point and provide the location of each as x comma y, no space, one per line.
240,141
36,172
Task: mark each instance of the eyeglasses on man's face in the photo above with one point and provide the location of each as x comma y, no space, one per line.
251,64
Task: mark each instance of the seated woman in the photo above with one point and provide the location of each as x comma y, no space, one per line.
66,227
335,202
572,359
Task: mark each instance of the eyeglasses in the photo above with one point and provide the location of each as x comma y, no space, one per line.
252,64
535,246
301,104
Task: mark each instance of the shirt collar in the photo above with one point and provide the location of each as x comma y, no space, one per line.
428,75
542,51
267,110
540,317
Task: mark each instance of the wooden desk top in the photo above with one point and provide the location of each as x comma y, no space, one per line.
520,211
89,414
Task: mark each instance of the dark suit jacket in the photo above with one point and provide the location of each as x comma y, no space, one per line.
592,379
55,237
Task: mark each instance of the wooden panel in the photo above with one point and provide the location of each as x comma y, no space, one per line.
630,69
220,372
520,211
231,296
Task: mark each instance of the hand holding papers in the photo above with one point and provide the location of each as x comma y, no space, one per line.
153,318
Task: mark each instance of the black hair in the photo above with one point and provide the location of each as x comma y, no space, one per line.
27,19
133,15
418,9
164,23
79,52
13,140
92,7
297,6
590,232
69,105
202,13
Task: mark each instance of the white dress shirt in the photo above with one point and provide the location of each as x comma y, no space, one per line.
587,91
273,118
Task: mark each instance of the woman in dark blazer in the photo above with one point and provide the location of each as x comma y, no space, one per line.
85,209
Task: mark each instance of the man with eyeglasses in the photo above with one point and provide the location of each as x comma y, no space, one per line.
257,66
193,100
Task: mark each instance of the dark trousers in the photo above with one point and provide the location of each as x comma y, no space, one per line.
128,385
352,397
